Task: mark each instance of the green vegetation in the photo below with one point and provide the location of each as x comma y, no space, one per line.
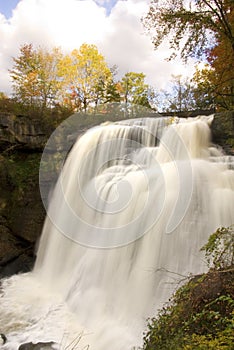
200,316
219,250
21,172
23,168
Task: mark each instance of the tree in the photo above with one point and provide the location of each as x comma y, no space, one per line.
191,26
112,93
182,98
35,77
221,59
133,89
178,97
204,89
215,81
219,250
200,29
23,75
85,75
49,83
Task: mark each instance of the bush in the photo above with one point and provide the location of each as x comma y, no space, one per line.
200,315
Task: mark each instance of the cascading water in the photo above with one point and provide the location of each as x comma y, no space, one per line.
134,204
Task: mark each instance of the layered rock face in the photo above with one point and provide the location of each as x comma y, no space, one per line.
223,131
21,210
20,131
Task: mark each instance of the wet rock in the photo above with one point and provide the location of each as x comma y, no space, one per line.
28,213
16,255
38,346
21,213
3,339
22,263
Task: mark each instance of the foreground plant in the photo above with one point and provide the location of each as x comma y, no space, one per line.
200,316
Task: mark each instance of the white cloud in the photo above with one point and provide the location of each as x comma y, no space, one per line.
69,23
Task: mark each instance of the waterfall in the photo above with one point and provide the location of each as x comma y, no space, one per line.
133,205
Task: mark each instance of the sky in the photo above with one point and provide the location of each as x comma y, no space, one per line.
113,25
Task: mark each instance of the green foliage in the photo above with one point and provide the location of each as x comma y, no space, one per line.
219,250
134,89
223,340
182,326
24,168
200,314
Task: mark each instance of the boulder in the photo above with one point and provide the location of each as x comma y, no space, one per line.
38,346
3,339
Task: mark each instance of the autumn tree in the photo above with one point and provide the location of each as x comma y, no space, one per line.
221,59
190,25
200,29
76,81
203,88
85,74
216,79
35,78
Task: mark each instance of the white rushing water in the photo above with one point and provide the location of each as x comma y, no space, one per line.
134,204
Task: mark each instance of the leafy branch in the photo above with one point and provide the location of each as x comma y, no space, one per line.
219,250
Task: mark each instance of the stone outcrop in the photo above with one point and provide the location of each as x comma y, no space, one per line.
22,131
223,131
21,213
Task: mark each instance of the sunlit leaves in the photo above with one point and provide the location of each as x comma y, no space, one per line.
85,75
